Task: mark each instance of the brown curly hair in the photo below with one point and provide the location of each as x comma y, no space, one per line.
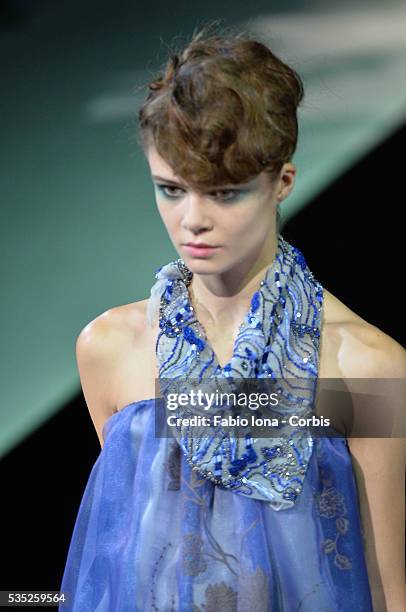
223,110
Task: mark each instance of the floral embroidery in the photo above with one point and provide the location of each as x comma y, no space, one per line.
193,562
199,496
219,596
330,504
253,594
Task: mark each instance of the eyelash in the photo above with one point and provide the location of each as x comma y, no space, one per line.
162,188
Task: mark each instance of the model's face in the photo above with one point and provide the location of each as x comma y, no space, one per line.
236,219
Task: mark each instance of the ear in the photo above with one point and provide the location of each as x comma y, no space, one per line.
286,180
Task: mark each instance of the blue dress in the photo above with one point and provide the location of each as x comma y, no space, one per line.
171,524
153,535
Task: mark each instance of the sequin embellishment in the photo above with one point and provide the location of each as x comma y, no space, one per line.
279,339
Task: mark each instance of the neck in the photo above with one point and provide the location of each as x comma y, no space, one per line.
222,299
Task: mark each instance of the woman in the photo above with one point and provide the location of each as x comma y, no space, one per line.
282,523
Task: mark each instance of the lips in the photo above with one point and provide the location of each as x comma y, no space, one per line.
199,251
202,245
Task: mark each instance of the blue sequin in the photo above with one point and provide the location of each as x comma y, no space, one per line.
255,301
250,354
192,338
299,258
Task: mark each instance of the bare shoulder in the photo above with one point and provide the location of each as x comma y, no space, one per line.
106,336
111,355
351,347
121,319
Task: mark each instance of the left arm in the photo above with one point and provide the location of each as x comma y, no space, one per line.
379,469
379,466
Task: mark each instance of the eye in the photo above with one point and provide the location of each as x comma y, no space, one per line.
231,194
162,189
225,195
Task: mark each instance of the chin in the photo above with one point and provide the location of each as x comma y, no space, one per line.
209,268
199,265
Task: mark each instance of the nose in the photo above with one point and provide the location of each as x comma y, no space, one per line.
195,217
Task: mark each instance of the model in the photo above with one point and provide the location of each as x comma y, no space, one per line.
210,518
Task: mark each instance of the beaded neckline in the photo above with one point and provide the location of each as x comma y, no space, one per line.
267,308
249,317
278,339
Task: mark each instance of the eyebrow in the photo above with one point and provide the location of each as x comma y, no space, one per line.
161,178
218,188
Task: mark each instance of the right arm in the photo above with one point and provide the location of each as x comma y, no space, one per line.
97,360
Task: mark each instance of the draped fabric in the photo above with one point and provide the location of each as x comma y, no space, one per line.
268,524
152,534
